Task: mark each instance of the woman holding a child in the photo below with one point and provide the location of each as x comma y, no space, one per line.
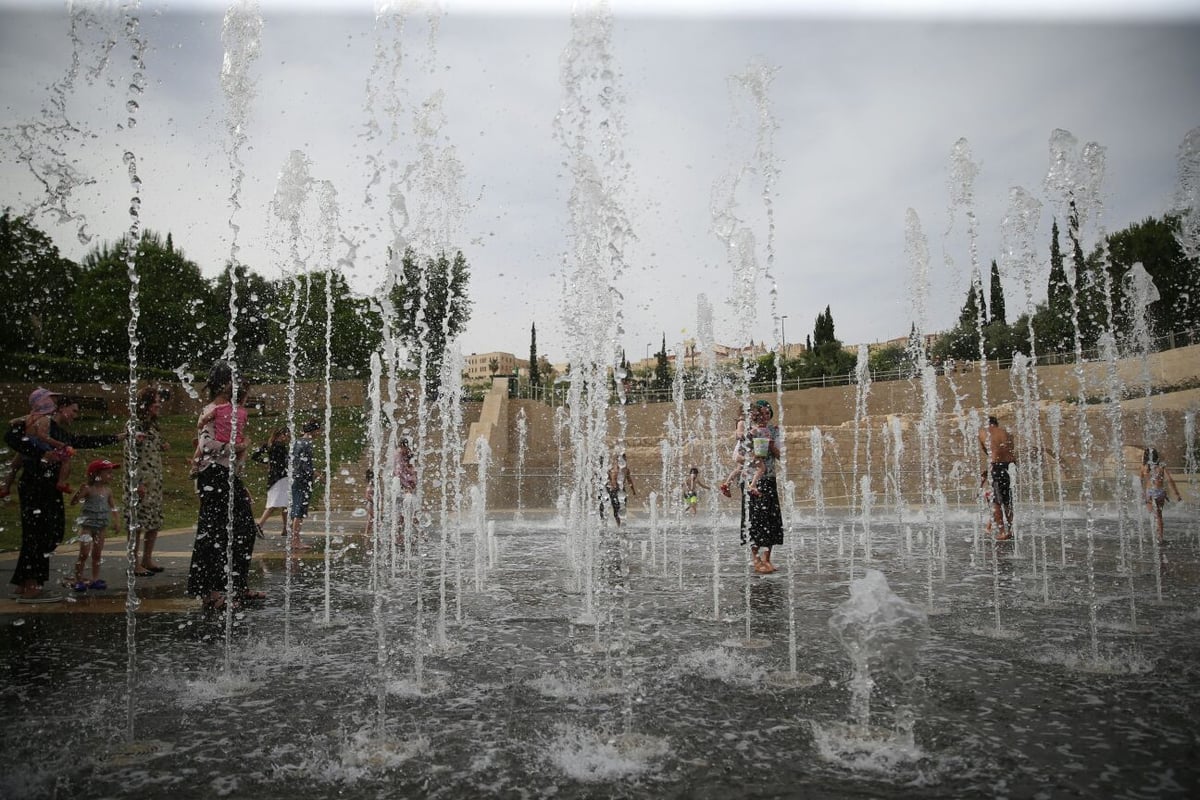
215,466
762,520
43,517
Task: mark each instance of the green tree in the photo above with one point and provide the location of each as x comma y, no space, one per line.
432,307
823,329
972,311
1154,243
1000,341
1052,330
826,356
1091,315
662,367
1052,320
256,329
35,311
354,330
177,318
535,374
962,341
891,358
996,297
762,370
1058,291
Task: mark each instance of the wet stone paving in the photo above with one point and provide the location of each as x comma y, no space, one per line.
1069,688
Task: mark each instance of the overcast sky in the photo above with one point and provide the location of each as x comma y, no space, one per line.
869,105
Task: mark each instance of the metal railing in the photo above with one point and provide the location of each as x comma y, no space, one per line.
556,395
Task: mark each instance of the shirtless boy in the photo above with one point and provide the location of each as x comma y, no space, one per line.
999,450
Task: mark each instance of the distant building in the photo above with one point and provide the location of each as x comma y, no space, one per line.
902,342
479,366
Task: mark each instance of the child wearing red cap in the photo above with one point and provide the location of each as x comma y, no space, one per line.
98,508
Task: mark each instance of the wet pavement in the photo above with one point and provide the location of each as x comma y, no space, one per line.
163,592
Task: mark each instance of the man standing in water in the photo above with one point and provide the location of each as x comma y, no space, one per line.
998,449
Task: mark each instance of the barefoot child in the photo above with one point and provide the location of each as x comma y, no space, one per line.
304,474
279,486
1156,478
749,459
98,510
690,486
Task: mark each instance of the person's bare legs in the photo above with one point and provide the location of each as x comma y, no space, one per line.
266,515
85,550
296,541
1158,520
761,559
97,552
1002,530
765,561
148,540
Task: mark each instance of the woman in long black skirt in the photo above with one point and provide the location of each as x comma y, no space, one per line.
207,577
762,520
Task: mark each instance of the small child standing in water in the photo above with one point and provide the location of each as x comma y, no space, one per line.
1156,479
691,484
749,459
98,509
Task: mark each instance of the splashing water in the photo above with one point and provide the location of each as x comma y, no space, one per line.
1073,179
882,634
522,446
1187,199
963,172
1019,256
858,502
137,46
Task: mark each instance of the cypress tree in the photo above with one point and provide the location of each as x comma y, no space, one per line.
996,296
1057,291
969,316
535,378
823,329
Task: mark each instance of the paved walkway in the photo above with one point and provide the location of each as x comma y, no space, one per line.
162,593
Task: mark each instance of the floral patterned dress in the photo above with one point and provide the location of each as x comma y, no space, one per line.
150,476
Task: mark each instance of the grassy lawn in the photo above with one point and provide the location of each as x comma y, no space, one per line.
179,495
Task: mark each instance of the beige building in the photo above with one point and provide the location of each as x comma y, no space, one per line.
479,366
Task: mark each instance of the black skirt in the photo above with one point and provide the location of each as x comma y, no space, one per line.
209,559
762,521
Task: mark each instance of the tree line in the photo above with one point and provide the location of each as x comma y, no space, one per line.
67,320
1090,292
1092,289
